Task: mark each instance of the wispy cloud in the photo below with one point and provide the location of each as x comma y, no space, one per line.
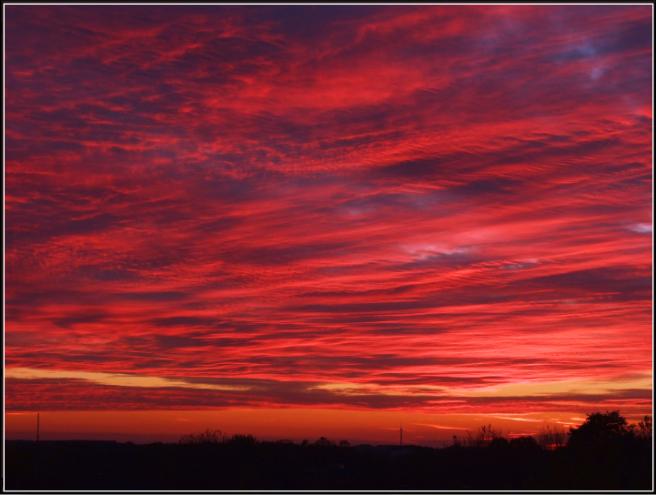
112,379
443,427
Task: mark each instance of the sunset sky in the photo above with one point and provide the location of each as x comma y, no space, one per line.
328,220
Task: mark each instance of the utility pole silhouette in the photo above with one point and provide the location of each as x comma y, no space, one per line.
37,426
400,434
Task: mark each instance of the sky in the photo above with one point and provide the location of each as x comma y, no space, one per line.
326,220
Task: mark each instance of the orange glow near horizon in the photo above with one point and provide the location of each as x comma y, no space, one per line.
295,424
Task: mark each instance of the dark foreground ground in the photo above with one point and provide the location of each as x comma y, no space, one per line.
275,465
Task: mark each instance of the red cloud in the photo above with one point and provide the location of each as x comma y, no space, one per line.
399,197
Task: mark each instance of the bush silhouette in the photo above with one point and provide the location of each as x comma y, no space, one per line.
486,435
206,437
644,428
499,443
551,438
524,442
323,442
243,440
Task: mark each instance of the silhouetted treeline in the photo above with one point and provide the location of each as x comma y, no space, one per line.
603,453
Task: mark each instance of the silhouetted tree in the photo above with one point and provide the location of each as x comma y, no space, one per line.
551,437
600,430
524,442
606,452
206,437
323,442
486,435
242,440
644,428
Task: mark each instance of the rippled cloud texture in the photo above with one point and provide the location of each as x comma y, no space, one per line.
437,208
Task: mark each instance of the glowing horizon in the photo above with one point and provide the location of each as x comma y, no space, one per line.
432,212
295,424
